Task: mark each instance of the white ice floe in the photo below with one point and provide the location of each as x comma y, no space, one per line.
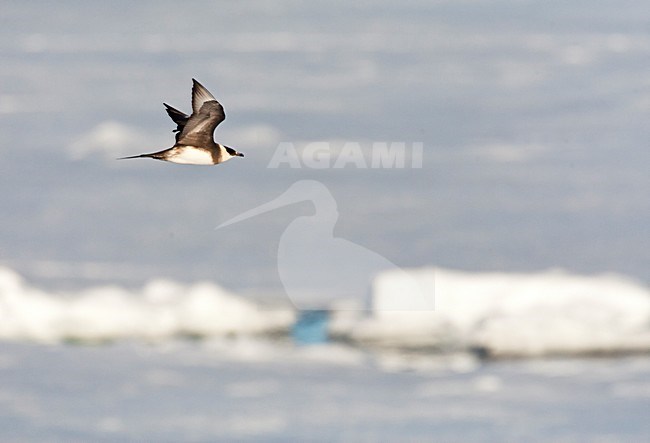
512,314
505,314
160,310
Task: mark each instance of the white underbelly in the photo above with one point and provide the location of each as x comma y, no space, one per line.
190,155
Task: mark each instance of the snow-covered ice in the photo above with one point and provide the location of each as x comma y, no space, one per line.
550,312
503,314
162,309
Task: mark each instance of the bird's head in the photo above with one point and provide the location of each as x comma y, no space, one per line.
232,152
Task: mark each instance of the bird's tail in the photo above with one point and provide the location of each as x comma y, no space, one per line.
139,156
160,155
133,156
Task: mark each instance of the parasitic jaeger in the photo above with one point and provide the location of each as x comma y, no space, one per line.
194,143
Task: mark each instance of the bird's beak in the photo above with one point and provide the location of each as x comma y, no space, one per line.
232,151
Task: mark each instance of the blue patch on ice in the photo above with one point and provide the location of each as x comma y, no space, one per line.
311,327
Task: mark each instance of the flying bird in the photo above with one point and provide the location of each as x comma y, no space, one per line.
194,133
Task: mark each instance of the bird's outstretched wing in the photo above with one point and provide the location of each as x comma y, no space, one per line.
207,113
180,118
200,95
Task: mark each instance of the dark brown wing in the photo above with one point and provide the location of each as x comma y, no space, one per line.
180,118
200,127
207,113
200,95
